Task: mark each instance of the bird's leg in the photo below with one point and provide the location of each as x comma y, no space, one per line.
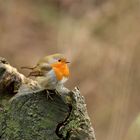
49,94
57,93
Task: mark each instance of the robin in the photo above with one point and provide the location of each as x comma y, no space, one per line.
51,72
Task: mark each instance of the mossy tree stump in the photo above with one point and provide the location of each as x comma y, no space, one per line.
34,116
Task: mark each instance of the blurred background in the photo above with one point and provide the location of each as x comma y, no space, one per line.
101,38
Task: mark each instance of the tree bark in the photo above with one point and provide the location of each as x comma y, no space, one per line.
34,115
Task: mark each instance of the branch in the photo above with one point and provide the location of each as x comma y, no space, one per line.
32,115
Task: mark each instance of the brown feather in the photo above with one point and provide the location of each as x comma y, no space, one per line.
35,73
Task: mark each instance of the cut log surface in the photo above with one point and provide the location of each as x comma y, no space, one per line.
40,114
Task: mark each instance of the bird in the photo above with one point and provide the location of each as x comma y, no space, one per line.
51,72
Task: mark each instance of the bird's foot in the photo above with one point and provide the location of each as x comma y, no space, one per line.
57,92
49,93
54,91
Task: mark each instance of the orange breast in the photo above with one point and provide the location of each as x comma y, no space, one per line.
61,70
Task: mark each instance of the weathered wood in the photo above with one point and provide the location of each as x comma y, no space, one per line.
31,115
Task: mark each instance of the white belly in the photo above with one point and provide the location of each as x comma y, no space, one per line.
64,79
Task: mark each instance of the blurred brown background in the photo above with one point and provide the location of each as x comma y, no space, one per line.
101,38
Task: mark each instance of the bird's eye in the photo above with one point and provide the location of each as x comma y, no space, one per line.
59,60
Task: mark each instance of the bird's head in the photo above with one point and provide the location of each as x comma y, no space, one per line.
57,58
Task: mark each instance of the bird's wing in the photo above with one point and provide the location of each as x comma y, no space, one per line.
45,67
40,70
35,73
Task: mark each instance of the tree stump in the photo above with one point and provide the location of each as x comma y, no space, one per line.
33,116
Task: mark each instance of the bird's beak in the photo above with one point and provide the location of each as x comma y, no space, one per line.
67,62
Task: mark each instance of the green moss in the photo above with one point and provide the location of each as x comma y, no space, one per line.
34,117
